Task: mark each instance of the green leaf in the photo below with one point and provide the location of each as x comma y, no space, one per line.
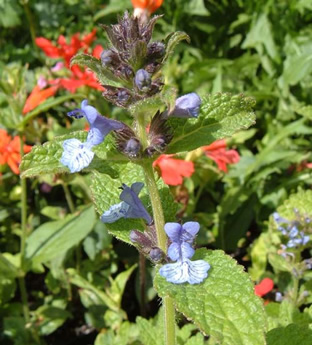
45,159
104,75
302,201
99,296
292,334
50,318
297,68
52,239
106,191
224,306
7,268
172,40
221,116
113,7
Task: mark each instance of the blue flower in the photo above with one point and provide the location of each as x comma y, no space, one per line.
187,106
78,155
181,251
129,207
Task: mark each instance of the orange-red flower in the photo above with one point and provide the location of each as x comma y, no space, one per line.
173,170
10,150
265,286
37,96
63,49
217,152
150,5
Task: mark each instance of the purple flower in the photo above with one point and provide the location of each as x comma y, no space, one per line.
78,155
143,80
181,251
187,106
129,207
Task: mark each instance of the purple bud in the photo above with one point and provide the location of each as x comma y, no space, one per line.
132,148
106,57
123,96
142,80
187,106
156,254
141,239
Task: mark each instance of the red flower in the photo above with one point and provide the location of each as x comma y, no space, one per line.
10,150
173,170
217,152
150,5
38,96
63,49
266,285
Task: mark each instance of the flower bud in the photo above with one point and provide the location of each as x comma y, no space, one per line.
156,254
187,106
106,57
142,80
156,50
141,239
132,148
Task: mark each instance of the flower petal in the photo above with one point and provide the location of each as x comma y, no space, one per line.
174,251
76,156
115,212
193,272
190,231
173,230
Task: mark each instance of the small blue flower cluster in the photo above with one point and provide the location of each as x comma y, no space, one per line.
77,155
180,250
290,229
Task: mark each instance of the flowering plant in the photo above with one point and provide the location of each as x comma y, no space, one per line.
120,157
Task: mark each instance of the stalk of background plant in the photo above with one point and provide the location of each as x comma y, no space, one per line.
21,279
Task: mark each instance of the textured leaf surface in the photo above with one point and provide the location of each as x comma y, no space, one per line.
301,201
221,116
292,334
106,191
224,305
55,238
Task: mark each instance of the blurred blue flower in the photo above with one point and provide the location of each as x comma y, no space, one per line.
181,251
129,207
291,230
187,106
77,155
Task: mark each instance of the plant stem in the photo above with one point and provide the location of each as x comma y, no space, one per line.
142,267
72,209
159,220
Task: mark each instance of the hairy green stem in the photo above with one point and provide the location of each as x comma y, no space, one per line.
30,23
159,220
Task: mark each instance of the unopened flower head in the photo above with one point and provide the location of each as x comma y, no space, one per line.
143,80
